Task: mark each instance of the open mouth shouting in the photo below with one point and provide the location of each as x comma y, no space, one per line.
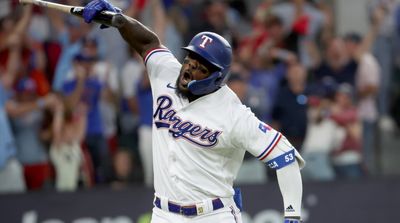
184,79
192,70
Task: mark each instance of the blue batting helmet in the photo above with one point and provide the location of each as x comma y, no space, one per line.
218,52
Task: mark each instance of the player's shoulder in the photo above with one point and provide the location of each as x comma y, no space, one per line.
159,55
161,64
232,99
232,103
230,95
238,110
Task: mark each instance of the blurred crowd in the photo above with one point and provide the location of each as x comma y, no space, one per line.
76,103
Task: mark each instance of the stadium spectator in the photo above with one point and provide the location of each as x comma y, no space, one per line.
386,51
69,33
108,76
11,172
26,110
347,158
181,12
323,136
271,76
68,132
367,87
216,17
336,63
84,85
303,21
265,36
256,35
290,111
367,82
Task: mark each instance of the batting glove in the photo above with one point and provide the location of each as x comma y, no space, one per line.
292,220
96,6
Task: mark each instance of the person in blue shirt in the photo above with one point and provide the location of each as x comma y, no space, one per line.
270,76
69,35
26,110
86,87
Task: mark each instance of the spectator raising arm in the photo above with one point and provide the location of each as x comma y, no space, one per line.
23,23
377,18
16,109
7,79
160,19
74,98
13,42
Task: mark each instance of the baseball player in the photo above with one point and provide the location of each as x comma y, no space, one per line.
201,130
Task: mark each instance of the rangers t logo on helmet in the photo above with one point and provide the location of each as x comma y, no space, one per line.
206,40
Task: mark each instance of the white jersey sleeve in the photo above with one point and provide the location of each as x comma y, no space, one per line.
258,138
162,65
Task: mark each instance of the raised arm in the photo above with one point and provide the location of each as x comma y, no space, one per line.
160,19
58,122
138,36
378,15
56,20
7,79
13,43
23,23
74,97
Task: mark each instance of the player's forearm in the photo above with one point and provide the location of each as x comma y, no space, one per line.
291,187
138,36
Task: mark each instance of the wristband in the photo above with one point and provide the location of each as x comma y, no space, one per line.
282,160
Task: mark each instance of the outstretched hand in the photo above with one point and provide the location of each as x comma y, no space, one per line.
96,6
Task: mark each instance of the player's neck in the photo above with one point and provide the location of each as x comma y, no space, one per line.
190,97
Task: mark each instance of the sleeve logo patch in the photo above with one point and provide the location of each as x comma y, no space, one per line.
264,127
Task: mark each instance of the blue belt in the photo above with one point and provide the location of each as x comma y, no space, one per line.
188,210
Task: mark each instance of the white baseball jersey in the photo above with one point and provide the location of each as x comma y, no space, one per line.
198,147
